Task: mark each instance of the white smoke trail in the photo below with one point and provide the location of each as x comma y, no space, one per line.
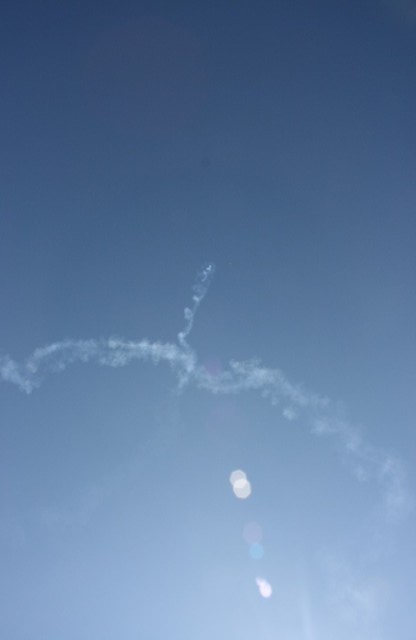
200,289
319,413
114,352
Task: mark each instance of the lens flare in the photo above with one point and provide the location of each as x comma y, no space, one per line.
252,533
241,486
242,489
256,551
265,588
237,475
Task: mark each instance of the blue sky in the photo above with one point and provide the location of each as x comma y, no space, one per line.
207,223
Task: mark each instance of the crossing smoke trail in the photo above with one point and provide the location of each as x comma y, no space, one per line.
366,461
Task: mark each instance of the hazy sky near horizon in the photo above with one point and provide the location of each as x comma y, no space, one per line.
207,226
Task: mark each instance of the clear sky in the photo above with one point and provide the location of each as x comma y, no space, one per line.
207,228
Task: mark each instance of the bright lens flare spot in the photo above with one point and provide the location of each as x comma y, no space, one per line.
237,475
265,588
241,486
242,489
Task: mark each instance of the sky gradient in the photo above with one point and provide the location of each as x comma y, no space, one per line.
207,227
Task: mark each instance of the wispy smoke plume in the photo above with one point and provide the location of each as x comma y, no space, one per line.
200,289
319,413
114,352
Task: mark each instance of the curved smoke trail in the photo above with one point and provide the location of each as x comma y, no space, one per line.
367,462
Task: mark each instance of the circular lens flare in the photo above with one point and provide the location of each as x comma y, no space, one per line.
237,476
256,551
242,489
252,533
241,486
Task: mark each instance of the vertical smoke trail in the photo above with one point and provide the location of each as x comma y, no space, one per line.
200,288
